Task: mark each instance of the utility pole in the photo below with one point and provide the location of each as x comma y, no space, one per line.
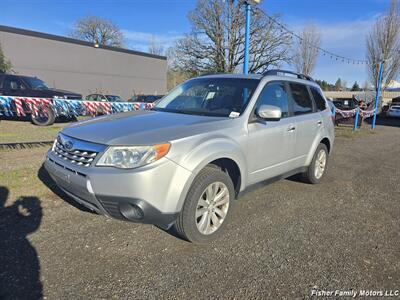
378,93
247,4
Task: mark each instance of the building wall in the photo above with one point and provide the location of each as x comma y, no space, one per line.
386,95
82,68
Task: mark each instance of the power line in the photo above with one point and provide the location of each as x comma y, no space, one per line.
324,52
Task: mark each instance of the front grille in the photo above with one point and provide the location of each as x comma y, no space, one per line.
77,157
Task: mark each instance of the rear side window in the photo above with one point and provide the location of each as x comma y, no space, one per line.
318,99
275,94
12,83
302,103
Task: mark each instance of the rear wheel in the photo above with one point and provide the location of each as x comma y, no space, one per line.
44,117
317,169
207,207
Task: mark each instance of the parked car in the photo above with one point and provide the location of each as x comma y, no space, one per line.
104,98
184,162
394,111
27,86
145,98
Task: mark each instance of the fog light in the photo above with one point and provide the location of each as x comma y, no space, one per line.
131,211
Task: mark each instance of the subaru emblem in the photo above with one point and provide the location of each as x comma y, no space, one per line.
68,145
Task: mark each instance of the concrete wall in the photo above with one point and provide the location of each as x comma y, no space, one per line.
80,67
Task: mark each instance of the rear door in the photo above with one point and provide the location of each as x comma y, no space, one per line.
271,144
307,121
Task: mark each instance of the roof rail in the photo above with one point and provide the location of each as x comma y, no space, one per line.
211,73
278,72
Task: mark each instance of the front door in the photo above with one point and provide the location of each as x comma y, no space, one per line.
270,147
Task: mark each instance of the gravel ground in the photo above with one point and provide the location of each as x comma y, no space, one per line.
285,238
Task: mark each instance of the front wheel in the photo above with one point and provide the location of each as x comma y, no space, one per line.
208,206
44,117
317,169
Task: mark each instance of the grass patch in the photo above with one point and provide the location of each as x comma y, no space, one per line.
347,132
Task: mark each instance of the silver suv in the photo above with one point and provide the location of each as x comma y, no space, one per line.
184,162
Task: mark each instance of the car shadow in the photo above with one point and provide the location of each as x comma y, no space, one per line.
19,261
46,179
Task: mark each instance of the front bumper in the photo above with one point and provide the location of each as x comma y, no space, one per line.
150,194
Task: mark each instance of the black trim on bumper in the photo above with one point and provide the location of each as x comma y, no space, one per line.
151,215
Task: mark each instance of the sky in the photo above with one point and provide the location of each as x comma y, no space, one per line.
343,23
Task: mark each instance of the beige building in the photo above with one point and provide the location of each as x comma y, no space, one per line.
80,66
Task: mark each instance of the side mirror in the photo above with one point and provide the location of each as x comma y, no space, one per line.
269,112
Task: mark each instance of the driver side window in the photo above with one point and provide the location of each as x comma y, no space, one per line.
275,94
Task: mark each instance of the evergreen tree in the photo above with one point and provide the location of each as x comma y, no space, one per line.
5,64
338,84
355,87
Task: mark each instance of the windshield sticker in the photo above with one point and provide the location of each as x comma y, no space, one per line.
234,114
210,95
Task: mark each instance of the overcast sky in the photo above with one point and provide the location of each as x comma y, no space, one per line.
343,23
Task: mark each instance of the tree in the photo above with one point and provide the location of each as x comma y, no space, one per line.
155,47
344,85
5,64
383,43
355,87
98,31
215,43
366,86
338,84
306,51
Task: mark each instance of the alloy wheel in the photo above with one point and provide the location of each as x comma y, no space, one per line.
212,208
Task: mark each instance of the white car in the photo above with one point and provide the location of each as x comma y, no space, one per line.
394,111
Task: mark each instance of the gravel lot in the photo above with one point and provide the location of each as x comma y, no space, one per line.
285,238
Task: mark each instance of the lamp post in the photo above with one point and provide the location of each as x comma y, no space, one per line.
247,4
378,92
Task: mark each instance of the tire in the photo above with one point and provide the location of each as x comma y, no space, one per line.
46,117
187,225
314,175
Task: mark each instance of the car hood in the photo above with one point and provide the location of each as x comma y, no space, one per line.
58,92
143,127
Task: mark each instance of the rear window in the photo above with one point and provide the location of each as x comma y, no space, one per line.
318,99
302,103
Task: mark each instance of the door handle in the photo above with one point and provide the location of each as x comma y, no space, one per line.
291,128
319,123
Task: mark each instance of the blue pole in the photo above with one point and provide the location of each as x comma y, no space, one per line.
356,119
247,40
378,92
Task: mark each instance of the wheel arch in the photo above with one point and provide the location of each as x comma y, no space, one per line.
320,140
228,164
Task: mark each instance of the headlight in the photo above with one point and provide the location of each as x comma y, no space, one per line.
128,157
54,145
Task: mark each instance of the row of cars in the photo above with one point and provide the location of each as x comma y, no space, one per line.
27,86
116,98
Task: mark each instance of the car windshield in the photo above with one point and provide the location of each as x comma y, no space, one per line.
209,96
113,98
36,84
